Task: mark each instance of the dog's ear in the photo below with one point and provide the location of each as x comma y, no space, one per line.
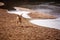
1,3
38,15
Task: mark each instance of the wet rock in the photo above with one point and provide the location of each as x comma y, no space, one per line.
15,27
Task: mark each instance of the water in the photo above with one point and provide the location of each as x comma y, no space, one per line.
51,23
47,8
23,13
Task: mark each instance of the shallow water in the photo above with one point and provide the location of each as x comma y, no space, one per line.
47,8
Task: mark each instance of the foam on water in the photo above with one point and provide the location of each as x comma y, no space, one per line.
23,13
51,23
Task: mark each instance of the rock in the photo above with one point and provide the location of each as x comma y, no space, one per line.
15,27
1,4
37,15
